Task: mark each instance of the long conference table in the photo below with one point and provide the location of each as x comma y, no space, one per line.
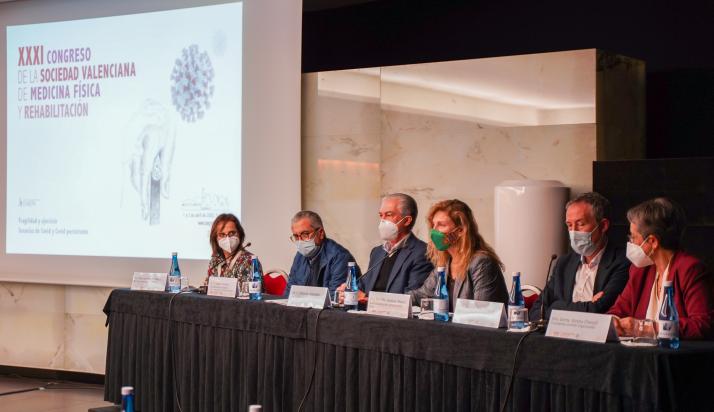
220,354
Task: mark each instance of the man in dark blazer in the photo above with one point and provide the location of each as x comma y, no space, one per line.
400,263
590,277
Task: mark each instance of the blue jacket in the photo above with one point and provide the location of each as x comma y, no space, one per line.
333,267
409,271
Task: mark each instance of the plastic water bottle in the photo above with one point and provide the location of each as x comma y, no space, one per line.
351,292
174,275
441,296
255,287
516,303
127,399
668,335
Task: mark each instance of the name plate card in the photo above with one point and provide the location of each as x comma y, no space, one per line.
479,313
149,281
309,297
584,326
221,286
394,305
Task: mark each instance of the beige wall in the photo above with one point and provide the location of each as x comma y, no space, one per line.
53,327
434,158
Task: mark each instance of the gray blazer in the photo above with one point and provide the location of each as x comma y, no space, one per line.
483,281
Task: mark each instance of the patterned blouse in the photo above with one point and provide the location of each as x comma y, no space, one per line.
238,266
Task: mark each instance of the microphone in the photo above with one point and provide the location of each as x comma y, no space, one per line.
373,266
542,322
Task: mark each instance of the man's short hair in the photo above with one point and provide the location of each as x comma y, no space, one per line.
407,206
599,204
315,220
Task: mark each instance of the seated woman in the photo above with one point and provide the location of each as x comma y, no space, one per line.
473,270
654,248
229,258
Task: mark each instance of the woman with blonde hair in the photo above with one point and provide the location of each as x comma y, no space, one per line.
473,270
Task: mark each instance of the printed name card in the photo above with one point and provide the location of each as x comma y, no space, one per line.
479,313
149,281
221,286
394,305
309,297
591,327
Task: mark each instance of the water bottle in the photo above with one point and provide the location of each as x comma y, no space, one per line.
255,287
351,291
668,335
516,303
441,296
174,275
127,399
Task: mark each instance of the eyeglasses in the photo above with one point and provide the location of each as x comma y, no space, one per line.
306,235
229,234
631,238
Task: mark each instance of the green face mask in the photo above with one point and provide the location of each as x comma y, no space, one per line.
439,239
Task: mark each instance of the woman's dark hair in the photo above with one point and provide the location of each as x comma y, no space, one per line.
218,223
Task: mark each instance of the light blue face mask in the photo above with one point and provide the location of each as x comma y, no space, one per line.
582,242
306,247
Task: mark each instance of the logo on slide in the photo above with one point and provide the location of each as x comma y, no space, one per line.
192,83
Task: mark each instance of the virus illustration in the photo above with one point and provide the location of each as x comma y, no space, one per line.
192,84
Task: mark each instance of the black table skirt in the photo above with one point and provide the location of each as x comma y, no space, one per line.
225,354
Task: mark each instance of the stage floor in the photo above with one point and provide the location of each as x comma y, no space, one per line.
60,396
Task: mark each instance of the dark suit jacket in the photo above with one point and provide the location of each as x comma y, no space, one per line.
611,277
410,268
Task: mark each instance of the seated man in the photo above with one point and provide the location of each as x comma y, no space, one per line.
591,276
400,263
319,261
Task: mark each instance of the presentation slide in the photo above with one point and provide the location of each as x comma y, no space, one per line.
123,133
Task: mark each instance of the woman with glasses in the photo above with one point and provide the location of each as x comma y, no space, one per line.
473,270
229,258
319,261
655,250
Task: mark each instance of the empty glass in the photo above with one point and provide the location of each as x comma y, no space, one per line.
426,309
645,332
243,285
518,319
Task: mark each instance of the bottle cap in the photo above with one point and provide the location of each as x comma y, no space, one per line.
127,390
350,264
516,274
441,269
666,283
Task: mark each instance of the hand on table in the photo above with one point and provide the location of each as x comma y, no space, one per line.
361,296
624,326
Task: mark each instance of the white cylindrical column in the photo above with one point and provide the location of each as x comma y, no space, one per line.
530,228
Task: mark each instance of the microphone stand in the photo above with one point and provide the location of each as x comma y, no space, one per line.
543,322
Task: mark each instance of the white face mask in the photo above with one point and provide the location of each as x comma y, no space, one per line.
388,230
582,242
306,247
229,244
637,255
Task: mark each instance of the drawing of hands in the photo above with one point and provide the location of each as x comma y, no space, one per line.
152,158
